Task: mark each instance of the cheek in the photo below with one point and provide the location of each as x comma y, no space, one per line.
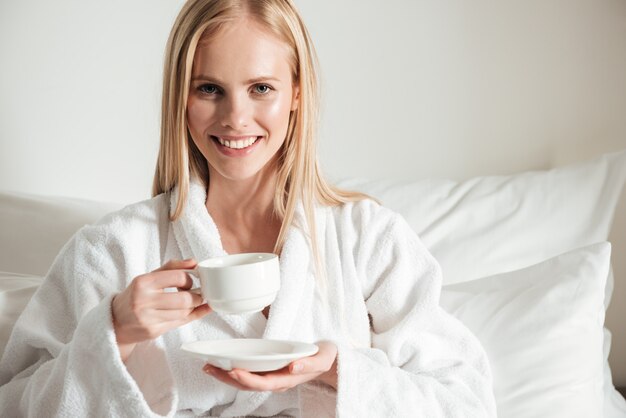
275,115
199,114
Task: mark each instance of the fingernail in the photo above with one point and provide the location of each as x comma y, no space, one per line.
232,374
208,369
297,368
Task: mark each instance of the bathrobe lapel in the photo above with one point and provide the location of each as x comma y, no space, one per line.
198,237
295,271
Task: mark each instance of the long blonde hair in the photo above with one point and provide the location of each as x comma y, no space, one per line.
299,176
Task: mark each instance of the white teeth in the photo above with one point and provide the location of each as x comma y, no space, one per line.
240,144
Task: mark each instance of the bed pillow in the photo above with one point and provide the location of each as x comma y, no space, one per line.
15,292
33,229
541,327
489,225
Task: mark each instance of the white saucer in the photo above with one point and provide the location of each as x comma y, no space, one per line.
255,355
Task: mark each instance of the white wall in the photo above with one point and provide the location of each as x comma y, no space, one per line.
79,95
453,88
412,88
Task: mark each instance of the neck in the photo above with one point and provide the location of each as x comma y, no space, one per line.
242,198
243,211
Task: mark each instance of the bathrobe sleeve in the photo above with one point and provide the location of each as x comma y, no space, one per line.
62,358
421,362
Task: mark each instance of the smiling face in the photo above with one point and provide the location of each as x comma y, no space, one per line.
240,98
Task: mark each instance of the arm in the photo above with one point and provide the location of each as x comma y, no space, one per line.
63,358
421,362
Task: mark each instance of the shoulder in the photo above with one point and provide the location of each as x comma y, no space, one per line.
137,220
146,211
367,216
102,257
369,225
379,242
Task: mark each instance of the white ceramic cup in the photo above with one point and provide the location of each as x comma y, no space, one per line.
238,283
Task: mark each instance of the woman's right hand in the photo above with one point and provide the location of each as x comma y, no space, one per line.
143,311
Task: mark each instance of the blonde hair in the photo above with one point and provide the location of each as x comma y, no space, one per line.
299,176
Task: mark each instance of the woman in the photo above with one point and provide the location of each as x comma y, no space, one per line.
237,172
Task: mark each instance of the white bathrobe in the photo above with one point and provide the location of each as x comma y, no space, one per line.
399,354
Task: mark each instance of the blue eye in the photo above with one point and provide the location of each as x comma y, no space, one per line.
208,89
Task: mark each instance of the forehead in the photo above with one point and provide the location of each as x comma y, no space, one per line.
242,48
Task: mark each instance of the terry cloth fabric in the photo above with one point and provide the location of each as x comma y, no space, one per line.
399,353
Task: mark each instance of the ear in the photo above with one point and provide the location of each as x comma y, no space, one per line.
295,98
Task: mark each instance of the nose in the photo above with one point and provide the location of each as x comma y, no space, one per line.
235,113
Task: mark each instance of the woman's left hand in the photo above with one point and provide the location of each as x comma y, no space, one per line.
322,366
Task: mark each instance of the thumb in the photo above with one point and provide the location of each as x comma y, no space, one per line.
298,367
323,360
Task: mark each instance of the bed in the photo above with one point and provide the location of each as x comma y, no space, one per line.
526,261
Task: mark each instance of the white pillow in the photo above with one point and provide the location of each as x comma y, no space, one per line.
33,229
542,328
614,402
15,292
489,225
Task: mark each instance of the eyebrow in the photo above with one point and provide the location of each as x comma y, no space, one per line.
250,81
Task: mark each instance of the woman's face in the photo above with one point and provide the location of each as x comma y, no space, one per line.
240,98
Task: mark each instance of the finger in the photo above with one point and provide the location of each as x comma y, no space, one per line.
171,315
276,381
171,278
327,349
222,376
176,318
153,299
297,367
307,365
199,312
178,265
164,326
158,280
176,300
316,364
